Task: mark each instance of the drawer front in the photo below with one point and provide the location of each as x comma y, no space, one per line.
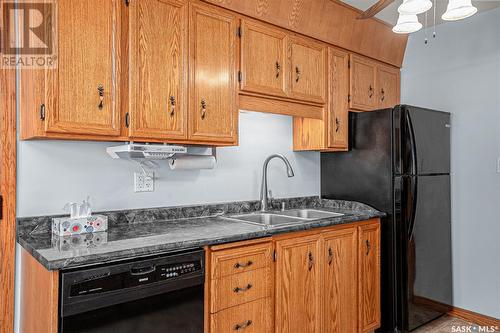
240,260
253,317
240,288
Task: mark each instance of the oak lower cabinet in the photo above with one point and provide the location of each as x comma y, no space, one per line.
340,294
298,284
324,280
213,110
369,277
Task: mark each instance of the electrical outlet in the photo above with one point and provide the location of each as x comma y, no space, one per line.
144,182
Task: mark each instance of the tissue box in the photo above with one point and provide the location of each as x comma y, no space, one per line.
64,226
79,242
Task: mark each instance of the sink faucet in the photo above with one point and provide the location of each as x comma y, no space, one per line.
263,189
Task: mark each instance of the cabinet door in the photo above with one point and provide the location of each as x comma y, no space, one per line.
213,111
298,306
338,91
340,306
158,101
363,96
369,277
82,95
263,65
388,86
307,70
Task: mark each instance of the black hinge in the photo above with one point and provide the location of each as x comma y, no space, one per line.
240,76
127,2
349,98
127,120
1,207
274,255
238,32
42,112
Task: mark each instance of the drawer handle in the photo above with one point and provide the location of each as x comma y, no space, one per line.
238,327
100,92
238,265
239,290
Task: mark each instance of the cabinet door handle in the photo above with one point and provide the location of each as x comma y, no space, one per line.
238,327
278,69
383,94
311,261
172,105
239,290
244,265
330,256
337,124
203,108
100,92
368,247
370,91
297,74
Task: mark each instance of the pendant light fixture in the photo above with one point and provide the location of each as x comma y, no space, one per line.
459,9
414,7
407,24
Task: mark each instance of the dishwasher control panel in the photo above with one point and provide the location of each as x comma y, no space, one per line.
171,271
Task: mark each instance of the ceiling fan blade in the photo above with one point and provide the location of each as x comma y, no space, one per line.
375,9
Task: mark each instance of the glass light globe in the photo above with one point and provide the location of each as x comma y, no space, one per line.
407,24
459,9
414,7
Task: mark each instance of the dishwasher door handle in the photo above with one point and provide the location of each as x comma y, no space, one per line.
142,270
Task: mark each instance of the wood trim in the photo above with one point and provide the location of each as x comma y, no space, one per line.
276,106
470,316
8,192
39,296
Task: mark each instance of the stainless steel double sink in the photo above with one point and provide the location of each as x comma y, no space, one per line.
283,218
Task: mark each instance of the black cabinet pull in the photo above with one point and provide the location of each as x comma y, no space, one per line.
330,256
311,261
368,247
238,265
383,94
278,69
337,125
100,92
297,74
238,289
238,327
370,91
203,108
172,105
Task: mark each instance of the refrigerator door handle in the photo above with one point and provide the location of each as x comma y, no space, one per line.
412,143
413,206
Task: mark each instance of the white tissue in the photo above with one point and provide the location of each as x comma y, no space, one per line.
192,162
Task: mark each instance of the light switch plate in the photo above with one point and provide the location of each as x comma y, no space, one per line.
143,182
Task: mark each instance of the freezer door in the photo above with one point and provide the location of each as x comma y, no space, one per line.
426,141
428,248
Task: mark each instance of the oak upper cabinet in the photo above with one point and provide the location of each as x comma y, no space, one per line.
158,69
307,79
298,307
340,273
388,86
362,84
263,64
213,111
369,276
338,107
82,93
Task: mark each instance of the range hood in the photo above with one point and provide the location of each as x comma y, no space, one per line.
145,151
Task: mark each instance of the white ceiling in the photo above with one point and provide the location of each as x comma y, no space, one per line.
390,13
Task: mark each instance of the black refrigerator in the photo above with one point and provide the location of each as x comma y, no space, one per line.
399,162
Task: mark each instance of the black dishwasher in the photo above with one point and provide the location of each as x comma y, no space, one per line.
157,294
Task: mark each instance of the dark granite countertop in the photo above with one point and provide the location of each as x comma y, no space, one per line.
137,233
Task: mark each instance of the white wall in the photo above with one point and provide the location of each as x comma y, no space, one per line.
51,173
459,72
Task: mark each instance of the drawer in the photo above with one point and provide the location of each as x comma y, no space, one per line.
253,317
241,288
241,259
